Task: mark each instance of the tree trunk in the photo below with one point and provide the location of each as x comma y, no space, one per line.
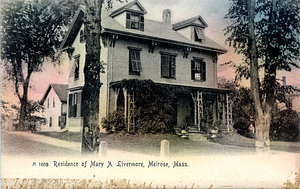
91,89
21,125
262,118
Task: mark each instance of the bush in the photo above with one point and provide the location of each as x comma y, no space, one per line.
114,122
285,126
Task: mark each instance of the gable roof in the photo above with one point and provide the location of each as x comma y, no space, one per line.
190,22
127,7
153,30
59,89
74,28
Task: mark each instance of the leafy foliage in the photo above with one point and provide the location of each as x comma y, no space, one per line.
30,31
114,122
266,32
285,126
154,106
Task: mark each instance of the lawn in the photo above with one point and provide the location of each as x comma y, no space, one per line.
150,143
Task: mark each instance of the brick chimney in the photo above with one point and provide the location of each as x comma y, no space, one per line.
167,16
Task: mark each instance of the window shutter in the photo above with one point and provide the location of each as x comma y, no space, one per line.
70,105
76,71
79,105
200,33
193,69
138,59
173,66
128,20
203,71
75,105
164,66
142,23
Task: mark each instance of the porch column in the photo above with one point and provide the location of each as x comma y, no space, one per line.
125,106
224,111
229,113
215,110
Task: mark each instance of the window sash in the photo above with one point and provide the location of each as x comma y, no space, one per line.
198,70
165,66
135,61
168,66
135,21
73,103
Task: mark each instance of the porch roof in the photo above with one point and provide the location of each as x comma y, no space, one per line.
187,87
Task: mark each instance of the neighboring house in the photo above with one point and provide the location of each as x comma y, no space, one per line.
55,104
293,98
134,47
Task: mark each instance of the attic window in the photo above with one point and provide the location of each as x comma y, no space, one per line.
134,21
82,36
199,35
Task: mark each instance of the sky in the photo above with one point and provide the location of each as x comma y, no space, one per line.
212,12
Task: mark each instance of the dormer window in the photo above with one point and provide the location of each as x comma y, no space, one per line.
134,21
199,35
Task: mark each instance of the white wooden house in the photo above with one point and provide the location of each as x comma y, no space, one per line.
135,47
55,104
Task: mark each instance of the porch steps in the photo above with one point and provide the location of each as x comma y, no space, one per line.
197,137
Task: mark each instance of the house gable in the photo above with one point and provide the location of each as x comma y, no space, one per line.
59,89
193,29
130,16
73,30
133,6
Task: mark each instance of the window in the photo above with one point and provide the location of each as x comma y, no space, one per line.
48,104
50,122
76,70
82,36
168,66
134,62
198,70
199,35
53,102
73,99
135,21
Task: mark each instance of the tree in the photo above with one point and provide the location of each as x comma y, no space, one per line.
266,32
30,31
92,66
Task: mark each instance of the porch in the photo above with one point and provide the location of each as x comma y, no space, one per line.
196,109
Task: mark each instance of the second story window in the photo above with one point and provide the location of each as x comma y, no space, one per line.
198,70
134,62
134,21
76,70
53,102
168,66
73,99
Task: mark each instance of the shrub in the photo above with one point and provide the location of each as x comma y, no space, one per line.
285,126
114,122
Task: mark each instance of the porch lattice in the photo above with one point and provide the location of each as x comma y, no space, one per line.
130,110
198,105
